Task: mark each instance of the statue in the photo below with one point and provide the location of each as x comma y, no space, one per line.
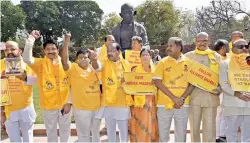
127,28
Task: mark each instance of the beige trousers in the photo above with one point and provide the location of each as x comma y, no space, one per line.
86,123
208,117
51,119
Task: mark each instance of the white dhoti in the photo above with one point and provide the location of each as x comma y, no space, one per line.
233,123
21,120
51,119
86,123
113,115
165,117
220,123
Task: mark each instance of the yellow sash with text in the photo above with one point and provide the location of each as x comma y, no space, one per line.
239,73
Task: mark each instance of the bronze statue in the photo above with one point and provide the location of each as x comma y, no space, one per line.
127,28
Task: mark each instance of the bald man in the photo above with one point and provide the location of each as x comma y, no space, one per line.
20,114
236,104
236,35
203,104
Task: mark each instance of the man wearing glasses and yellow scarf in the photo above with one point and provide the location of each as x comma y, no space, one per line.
236,102
203,104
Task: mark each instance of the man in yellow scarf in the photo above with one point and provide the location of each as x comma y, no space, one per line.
102,51
203,104
222,48
20,114
102,55
236,35
236,104
172,97
115,102
53,88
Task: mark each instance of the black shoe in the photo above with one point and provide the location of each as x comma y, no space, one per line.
221,139
224,139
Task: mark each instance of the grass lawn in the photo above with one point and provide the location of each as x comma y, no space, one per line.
39,118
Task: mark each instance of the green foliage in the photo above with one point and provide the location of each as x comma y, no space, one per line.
81,18
160,19
12,18
109,22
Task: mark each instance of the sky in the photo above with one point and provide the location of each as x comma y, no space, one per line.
109,6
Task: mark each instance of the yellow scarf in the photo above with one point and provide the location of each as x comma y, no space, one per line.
111,83
230,45
55,84
103,53
139,101
238,62
214,65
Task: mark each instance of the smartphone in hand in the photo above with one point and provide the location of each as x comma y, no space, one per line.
62,111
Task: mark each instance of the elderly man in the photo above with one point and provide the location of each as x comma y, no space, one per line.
203,104
236,35
20,114
236,103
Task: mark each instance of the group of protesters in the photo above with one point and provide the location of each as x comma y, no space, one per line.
91,89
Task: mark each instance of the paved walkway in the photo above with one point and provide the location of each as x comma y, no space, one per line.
40,133
104,138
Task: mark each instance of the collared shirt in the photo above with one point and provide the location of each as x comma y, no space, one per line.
170,71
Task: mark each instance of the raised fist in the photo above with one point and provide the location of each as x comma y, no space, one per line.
35,34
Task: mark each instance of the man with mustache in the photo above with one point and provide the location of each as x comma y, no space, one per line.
115,102
85,95
236,103
20,114
203,104
53,88
173,93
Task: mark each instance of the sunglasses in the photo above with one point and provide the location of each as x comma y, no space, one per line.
242,46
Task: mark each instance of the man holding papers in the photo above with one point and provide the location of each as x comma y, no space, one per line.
235,83
203,104
20,113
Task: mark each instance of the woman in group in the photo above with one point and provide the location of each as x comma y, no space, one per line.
143,123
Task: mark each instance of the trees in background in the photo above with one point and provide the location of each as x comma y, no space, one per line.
160,18
12,18
85,20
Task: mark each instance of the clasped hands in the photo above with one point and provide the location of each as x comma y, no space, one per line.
178,102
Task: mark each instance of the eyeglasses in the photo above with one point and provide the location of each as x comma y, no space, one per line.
242,46
202,41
